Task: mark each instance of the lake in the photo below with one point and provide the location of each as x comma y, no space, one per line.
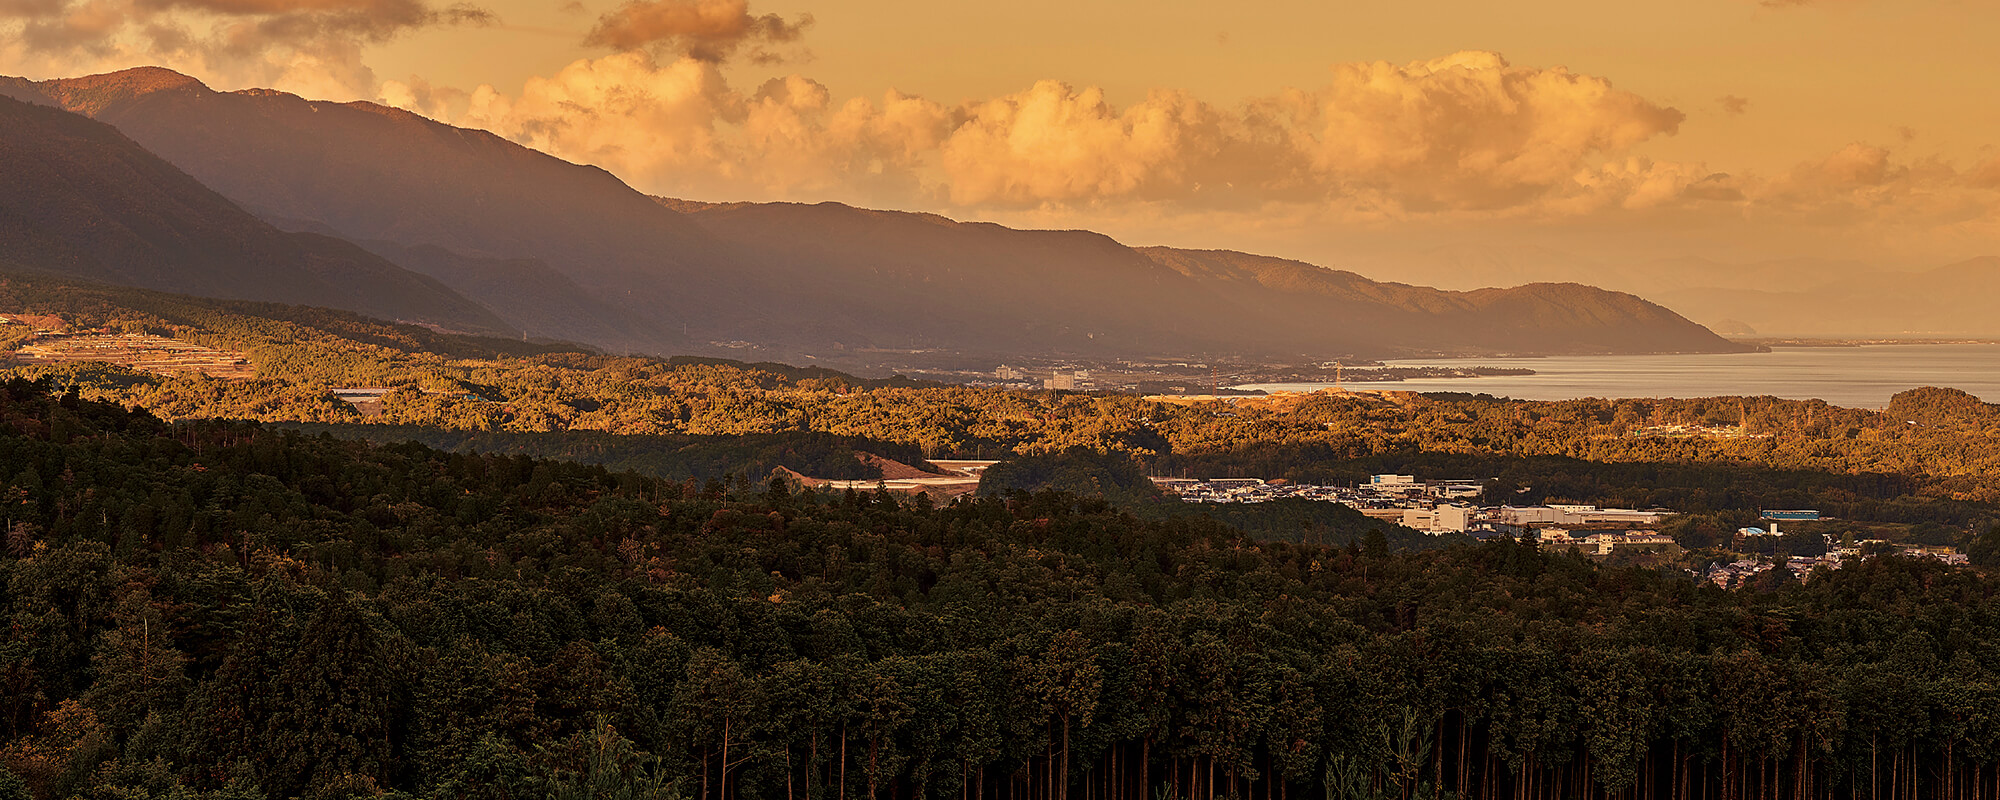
1856,377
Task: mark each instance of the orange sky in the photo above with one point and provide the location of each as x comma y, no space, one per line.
1374,135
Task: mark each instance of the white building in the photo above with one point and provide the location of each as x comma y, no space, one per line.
1576,515
1530,515
1555,537
1456,490
1607,542
1622,516
1441,519
1400,485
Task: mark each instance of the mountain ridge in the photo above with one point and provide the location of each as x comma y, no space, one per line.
793,280
1794,296
1320,306
85,201
370,173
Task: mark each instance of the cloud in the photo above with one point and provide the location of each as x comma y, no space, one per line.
1424,149
1465,133
419,96
1053,143
704,30
1731,104
309,46
1856,165
1985,175
623,111
1868,186
677,127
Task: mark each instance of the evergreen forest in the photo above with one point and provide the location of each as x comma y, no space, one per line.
547,572
212,609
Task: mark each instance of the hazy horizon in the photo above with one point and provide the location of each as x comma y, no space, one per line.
1653,149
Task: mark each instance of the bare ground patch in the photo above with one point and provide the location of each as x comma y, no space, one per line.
156,354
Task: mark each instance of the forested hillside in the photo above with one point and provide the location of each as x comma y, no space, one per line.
674,457
461,205
1932,456
1084,292
208,609
79,199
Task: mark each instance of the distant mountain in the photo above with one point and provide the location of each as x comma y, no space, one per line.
1101,295
374,174
1952,300
938,283
570,251
1775,297
77,198
1535,318
530,294
1463,266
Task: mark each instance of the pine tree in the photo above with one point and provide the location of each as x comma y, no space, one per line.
337,717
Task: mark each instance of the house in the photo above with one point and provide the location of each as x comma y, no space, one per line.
1556,537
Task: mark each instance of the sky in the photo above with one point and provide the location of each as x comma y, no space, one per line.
1426,140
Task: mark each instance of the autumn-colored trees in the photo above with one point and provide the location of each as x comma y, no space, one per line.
1932,456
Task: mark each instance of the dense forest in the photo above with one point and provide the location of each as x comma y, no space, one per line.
671,456
218,610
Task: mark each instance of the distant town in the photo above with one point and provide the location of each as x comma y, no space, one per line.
1442,507
1191,376
1435,507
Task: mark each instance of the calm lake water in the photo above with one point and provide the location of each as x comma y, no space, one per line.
1856,377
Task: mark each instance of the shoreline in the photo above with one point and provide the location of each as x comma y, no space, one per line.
1853,377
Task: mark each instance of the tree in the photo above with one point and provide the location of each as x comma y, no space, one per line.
138,670
1064,679
1375,545
720,704
600,764
337,714
1985,547
12,787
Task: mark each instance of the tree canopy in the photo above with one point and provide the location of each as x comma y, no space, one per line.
222,610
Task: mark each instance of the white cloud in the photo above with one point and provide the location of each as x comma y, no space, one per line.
313,47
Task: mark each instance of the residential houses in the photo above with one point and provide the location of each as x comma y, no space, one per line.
1433,506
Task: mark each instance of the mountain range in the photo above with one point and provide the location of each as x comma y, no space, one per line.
84,201
560,250
1822,297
